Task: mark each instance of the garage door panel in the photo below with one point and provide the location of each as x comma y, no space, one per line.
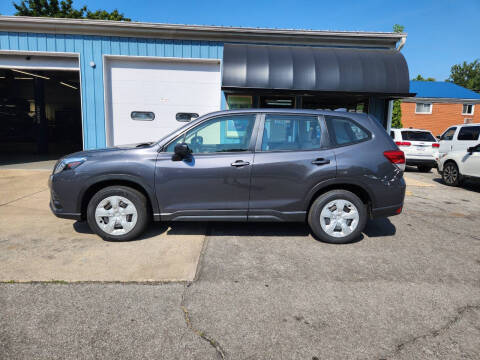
154,93
162,87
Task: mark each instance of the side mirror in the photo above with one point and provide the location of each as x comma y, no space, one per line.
439,137
471,149
185,117
181,152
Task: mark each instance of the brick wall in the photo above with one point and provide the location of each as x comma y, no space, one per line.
443,115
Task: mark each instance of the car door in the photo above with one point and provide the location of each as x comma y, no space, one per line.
470,163
214,182
290,159
446,140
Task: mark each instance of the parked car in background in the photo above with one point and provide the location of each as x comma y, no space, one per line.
333,170
420,147
459,137
456,166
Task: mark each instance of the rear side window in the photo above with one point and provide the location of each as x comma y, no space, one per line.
448,135
291,132
418,136
469,133
344,131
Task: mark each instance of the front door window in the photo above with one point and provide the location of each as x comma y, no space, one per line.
230,133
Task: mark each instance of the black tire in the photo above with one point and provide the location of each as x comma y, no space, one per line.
451,175
138,200
324,199
424,168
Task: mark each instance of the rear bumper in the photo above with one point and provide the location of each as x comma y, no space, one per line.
387,211
425,162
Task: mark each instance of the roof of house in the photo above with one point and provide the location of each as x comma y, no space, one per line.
441,89
201,32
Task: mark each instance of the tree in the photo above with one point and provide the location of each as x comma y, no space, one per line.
397,114
421,78
64,9
466,75
398,28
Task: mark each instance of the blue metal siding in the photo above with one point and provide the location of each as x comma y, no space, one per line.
92,48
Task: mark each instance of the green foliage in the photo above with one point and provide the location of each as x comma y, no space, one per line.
421,78
398,28
466,75
397,115
63,9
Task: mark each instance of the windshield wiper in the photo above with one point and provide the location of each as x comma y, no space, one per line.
144,144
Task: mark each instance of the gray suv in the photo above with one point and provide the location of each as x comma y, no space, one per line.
333,170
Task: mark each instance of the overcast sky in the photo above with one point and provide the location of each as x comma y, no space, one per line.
440,32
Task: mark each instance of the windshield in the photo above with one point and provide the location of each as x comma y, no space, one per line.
418,136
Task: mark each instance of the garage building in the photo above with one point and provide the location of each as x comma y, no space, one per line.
68,84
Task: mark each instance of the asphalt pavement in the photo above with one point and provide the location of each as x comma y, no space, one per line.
409,289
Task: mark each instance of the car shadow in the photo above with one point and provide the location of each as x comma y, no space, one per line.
379,228
374,228
470,185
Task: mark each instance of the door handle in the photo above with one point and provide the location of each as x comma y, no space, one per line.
320,161
240,163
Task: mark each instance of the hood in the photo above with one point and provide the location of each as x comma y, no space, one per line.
95,152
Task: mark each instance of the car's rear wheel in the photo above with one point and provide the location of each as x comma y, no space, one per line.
338,217
451,176
424,168
118,213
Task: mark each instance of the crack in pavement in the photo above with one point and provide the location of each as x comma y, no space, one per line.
200,333
23,197
460,312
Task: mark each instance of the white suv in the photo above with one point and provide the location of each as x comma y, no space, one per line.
457,165
420,147
459,137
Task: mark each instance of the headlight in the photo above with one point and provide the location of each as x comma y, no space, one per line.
68,164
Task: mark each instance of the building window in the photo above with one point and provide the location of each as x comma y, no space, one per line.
423,108
468,109
239,101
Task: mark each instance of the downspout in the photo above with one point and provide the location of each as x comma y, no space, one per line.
402,42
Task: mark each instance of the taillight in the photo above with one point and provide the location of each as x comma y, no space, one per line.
396,157
436,145
403,143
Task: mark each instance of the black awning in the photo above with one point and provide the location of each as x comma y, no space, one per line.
304,68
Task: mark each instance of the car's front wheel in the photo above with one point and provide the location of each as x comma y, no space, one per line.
451,176
118,213
338,216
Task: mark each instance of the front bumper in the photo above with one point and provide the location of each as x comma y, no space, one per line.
56,206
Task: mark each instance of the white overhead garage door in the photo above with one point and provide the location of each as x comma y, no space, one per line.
162,87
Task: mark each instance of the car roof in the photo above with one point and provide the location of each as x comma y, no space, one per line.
409,129
288,111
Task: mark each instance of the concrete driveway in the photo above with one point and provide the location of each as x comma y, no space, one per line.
410,289
37,246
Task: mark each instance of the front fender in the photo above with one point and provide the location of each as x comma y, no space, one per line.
123,179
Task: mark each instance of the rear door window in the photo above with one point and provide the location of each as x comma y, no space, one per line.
291,132
417,136
344,131
469,133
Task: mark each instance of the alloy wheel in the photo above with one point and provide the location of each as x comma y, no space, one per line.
450,174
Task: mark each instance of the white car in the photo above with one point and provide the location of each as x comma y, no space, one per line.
459,137
455,166
420,147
